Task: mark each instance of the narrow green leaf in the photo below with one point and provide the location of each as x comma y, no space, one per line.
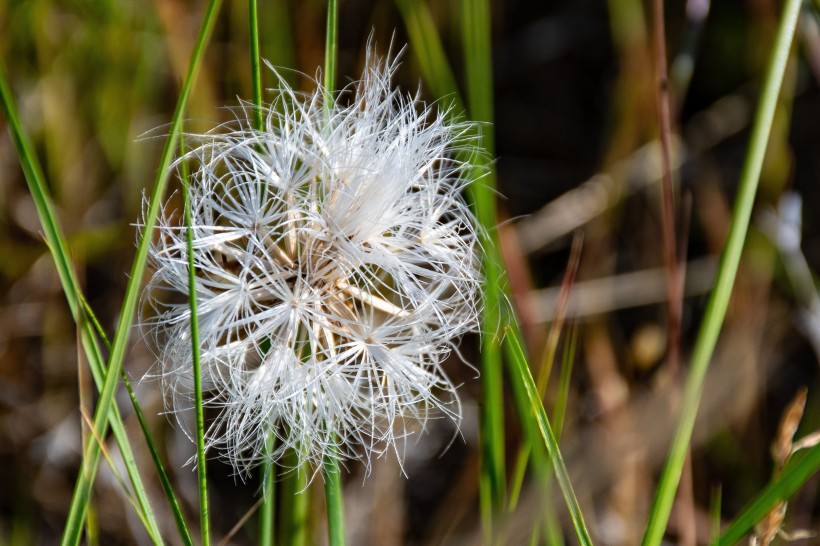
331,469
333,499
331,45
55,240
426,46
91,455
727,270
165,481
201,462
519,361
475,16
268,468
797,472
268,508
256,72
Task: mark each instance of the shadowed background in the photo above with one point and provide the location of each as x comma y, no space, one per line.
575,131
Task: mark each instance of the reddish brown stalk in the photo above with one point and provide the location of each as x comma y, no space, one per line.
560,313
674,282
668,197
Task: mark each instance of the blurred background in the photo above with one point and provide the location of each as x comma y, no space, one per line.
576,144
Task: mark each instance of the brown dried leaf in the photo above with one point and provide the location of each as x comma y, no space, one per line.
782,447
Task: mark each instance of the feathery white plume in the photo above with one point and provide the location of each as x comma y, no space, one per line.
336,264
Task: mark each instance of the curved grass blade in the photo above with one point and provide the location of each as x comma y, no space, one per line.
156,539
519,361
91,455
727,270
165,481
797,472
71,288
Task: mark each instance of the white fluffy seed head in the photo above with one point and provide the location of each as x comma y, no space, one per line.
336,263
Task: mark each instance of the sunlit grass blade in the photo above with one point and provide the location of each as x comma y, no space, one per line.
199,410
268,507
477,57
294,507
333,499
331,471
71,287
268,468
727,270
797,472
256,72
156,539
545,369
331,45
165,481
519,361
91,454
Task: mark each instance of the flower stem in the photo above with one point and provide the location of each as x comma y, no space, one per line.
268,509
256,73
331,45
332,474
333,499
266,512
202,477
295,502
719,300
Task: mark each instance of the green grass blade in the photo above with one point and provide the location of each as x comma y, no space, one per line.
714,514
331,45
71,287
567,363
797,472
256,72
333,499
91,455
268,468
165,482
331,469
477,56
294,508
201,462
519,361
268,508
719,299
544,373
92,527
427,47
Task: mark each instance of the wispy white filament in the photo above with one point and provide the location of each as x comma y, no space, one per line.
336,264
